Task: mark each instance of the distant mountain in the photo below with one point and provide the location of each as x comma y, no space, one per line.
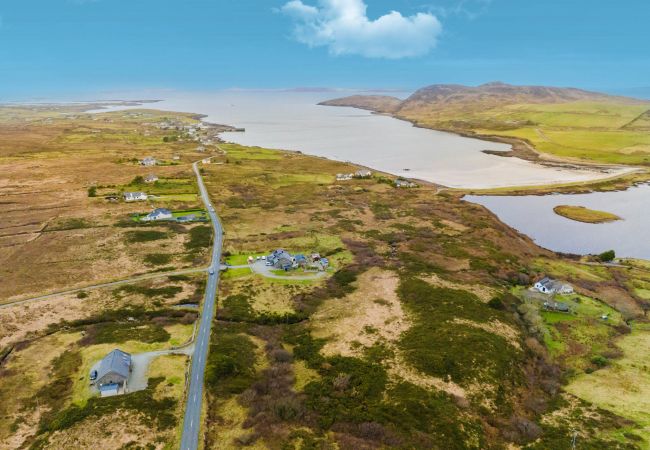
489,95
568,123
378,103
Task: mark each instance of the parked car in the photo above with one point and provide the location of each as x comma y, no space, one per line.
263,258
269,263
93,375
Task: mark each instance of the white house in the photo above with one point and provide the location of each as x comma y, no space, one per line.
344,176
149,161
135,196
400,183
158,214
151,178
364,173
549,286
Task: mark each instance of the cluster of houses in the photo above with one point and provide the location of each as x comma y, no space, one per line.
402,183
283,260
363,173
112,373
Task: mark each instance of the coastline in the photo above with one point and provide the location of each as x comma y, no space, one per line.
627,176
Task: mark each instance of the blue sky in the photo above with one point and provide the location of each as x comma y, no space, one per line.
70,47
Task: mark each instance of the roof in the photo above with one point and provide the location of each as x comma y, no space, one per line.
117,361
161,211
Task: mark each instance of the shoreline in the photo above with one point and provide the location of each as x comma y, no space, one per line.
628,176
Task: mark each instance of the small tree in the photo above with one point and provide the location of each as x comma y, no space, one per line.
138,180
92,191
607,256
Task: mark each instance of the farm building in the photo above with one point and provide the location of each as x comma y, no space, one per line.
113,372
151,178
363,173
135,196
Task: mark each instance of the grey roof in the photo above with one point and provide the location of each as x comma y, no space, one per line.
117,361
161,211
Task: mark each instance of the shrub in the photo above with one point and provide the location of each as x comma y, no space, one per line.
157,259
145,236
92,191
82,294
607,256
200,237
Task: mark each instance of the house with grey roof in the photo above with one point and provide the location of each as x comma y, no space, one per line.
149,161
158,214
281,259
113,373
549,286
151,178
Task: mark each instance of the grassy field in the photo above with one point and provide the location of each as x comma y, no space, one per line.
409,312
623,386
420,338
601,132
51,158
582,214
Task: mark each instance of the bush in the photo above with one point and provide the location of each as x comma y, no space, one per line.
92,191
200,237
157,259
607,256
145,236
82,295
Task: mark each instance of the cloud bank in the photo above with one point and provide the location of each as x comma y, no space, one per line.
343,26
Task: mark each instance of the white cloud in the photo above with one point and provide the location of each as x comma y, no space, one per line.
345,28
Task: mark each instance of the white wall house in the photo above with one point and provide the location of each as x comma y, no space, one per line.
135,196
549,286
158,214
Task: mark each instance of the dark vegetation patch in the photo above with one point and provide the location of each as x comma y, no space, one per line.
437,346
151,292
72,223
53,395
157,413
200,238
237,308
353,397
230,368
134,236
104,333
157,259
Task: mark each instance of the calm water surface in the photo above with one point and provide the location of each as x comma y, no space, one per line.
534,216
294,121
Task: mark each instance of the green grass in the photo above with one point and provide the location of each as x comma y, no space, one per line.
236,273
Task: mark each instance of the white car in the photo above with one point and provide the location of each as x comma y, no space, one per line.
269,263
211,271
263,258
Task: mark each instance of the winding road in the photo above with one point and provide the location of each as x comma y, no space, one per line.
192,420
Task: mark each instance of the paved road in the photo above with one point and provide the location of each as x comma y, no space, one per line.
103,285
192,420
